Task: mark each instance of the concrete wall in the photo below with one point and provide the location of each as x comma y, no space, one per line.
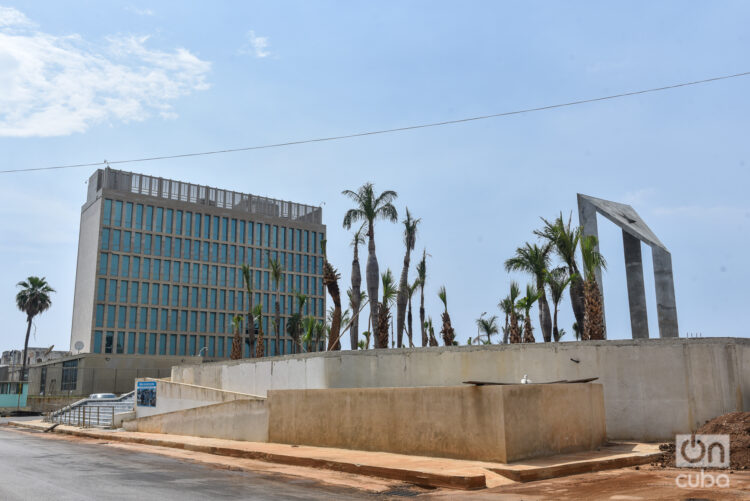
172,397
85,284
490,423
234,420
653,388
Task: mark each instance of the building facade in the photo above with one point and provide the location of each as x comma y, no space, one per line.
11,361
159,266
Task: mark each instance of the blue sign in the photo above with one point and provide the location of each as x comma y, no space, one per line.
145,395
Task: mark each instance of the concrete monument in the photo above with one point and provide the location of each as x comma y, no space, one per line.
635,231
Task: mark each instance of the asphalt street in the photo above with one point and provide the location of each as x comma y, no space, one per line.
36,468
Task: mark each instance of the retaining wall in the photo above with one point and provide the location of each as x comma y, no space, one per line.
653,388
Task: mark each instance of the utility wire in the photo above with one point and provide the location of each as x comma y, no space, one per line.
385,131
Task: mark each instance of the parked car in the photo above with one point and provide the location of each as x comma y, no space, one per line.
98,396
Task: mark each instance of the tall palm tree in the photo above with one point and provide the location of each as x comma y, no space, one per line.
258,316
410,239
565,240
593,319
331,281
384,310
422,279
515,333
525,303
236,339
355,297
558,280
247,277
449,335
33,299
488,326
409,318
369,208
276,269
506,306
431,331
534,260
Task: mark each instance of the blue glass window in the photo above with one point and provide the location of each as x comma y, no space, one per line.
117,219
139,216
103,264
97,341
129,214
106,212
105,239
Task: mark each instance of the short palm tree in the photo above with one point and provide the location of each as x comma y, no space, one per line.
534,260
488,326
422,279
431,332
258,317
410,239
33,299
449,335
565,240
355,297
276,270
247,277
294,327
593,320
236,339
384,310
368,208
558,280
525,303
331,281
515,333
506,306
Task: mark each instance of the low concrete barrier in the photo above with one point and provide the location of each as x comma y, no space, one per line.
174,396
245,419
487,423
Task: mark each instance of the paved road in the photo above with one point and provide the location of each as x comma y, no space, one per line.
34,467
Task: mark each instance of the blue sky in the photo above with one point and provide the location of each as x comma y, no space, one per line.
87,81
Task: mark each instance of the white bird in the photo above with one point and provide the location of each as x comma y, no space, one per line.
525,379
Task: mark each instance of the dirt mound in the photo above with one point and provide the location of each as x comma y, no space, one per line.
734,424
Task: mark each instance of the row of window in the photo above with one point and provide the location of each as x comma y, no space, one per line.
134,317
179,344
123,291
156,245
116,265
186,223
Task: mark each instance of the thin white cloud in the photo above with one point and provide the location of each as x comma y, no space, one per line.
139,11
10,17
57,85
256,46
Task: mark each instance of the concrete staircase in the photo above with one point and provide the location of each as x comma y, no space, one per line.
93,413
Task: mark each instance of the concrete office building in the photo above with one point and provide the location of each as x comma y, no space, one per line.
159,261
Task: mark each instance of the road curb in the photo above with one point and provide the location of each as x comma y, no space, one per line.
462,481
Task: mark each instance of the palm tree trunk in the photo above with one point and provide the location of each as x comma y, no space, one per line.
544,317
421,317
356,286
576,297
402,298
23,361
373,275
506,331
277,311
410,331
250,324
555,331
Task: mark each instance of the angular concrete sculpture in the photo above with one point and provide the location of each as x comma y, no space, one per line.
635,231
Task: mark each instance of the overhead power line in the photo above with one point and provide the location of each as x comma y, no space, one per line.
383,131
